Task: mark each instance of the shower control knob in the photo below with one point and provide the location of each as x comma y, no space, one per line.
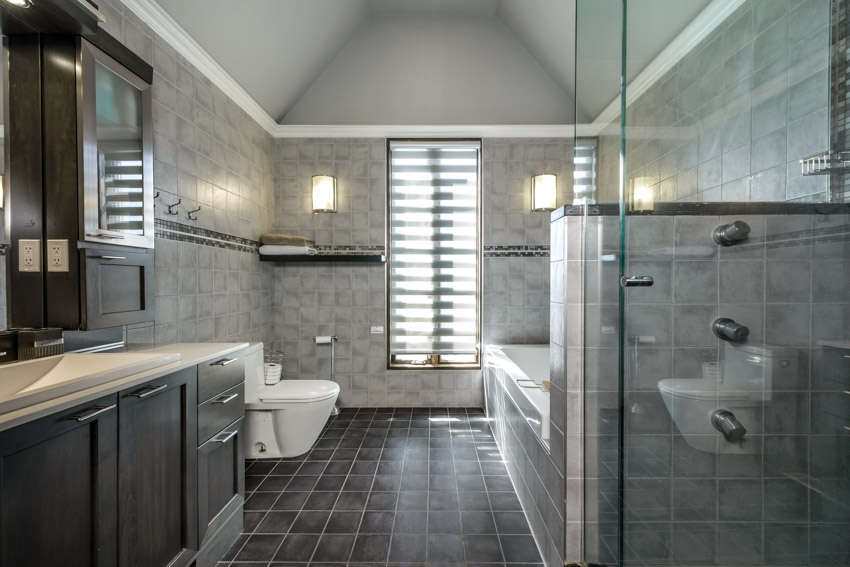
728,330
636,281
729,234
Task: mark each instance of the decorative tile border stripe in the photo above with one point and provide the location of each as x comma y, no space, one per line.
528,251
203,233
185,233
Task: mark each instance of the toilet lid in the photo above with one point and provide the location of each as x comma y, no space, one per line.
299,391
702,389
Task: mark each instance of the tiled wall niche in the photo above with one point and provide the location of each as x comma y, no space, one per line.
346,300
730,121
211,154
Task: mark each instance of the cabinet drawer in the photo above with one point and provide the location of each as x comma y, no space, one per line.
221,479
218,412
220,374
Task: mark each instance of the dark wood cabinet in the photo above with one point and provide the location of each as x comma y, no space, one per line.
221,479
58,496
158,472
118,287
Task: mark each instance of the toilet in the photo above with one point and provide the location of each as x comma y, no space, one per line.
749,374
283,420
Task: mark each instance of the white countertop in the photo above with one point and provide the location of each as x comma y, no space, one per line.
191,354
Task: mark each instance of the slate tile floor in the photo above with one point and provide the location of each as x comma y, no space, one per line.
397,487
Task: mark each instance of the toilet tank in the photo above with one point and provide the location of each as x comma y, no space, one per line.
253,368
759,367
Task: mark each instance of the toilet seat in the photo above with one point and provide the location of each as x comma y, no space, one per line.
296,391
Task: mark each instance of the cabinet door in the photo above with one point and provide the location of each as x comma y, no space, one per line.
158,472
221,478
58,499
118,287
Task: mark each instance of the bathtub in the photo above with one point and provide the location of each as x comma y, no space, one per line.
521,370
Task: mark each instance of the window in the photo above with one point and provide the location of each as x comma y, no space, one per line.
434,253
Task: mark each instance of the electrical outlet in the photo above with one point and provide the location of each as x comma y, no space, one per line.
57,255
377,330
29,255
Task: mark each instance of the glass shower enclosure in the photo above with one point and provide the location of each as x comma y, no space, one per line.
707,347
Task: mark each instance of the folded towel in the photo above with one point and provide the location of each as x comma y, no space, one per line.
286,240
268,250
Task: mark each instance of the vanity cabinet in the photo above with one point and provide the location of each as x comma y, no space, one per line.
152,476
158,472
58,489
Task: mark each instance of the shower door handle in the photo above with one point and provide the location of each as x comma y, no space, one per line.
636,281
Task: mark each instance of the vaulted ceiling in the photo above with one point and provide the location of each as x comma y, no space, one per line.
425,61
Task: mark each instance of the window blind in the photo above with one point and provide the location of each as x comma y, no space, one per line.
584,171
433,248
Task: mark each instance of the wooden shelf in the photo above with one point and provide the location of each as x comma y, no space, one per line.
361,258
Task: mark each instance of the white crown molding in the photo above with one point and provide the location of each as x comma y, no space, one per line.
700,27
402,131
163,24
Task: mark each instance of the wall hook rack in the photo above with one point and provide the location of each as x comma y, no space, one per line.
171,210
191,214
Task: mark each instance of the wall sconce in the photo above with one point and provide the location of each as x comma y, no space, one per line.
643,197
544,192
324,194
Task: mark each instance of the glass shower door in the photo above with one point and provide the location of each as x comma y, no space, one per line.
732,404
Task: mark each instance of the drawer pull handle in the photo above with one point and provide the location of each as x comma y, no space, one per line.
228,435
112,236
225,399
109,257
97,410
224,361
148,391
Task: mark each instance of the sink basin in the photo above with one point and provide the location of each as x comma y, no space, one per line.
26,383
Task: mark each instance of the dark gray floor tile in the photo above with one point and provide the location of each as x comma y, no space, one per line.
351,501
338,467
251,520
504,501
371,548
482,549
414,483
445,548
390,467
444,522
364,467
274,483
415,468
442,482
441,467
474,501
321,501
414,522
470,483
467,468
330,483
343,522
493,467
310,522
413,501
261,501
253,482
511,523
442,501
291,501
312,468
377,522
358,483
235,547
407,548
276,522
260,547
302,483
263,467
334,548
520,549
382,501
498,483
478,523
386,483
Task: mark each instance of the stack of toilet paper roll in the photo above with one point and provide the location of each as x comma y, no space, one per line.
271,373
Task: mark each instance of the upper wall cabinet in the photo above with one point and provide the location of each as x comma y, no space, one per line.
116,166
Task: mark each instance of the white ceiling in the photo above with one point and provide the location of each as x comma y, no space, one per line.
294,56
